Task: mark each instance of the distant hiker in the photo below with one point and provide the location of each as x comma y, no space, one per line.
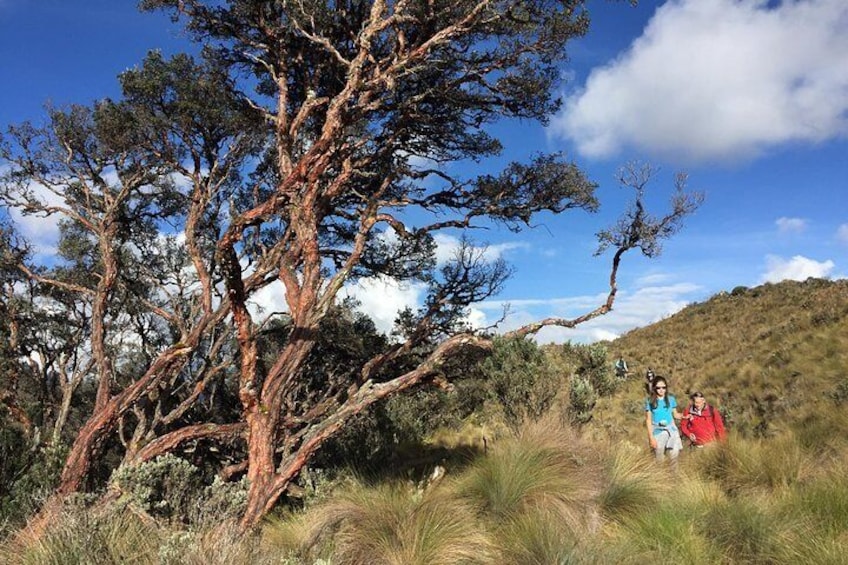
660,414
701,422
621,368
649,381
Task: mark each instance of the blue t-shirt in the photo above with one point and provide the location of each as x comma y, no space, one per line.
661,416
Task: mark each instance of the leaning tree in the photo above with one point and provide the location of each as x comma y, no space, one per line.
311,144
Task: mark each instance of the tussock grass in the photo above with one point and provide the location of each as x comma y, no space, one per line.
823,503
746,531
292,534
545,466
750,465
395,524
76,536
536,536
631,484
666,534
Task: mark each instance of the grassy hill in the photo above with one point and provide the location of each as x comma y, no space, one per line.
769,356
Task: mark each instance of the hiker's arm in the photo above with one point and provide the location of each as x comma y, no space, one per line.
650,425
719,424
685,422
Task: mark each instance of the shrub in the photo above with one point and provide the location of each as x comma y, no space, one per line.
520,379
581,400
31,476
171,488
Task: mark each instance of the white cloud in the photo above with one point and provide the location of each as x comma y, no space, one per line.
791,225
719,79
40,230
448,245
382,298
643,307
798,268
842,233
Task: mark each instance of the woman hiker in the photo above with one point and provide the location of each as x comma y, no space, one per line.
660,414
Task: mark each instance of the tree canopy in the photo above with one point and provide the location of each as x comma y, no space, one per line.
310,144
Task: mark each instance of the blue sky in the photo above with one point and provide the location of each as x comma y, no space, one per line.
750,98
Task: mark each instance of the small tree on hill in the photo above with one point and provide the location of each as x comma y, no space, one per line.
310,146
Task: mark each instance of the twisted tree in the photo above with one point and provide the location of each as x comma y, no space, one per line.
310,145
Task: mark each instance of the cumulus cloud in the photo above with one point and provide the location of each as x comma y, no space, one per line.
447,246
842,233
718,79
383,297
791,225
41,230
798,268
632,310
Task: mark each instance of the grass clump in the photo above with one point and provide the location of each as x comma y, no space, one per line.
536,536
395,524
747,465
630,485
745,530
79,536
543,467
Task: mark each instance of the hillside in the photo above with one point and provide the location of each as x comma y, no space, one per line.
768,356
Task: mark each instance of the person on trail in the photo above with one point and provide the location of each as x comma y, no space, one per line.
701,423
649,381
660,414
621,368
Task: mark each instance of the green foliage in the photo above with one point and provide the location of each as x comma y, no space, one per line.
581,399
173,489
745,530
33,478
743,465
664,535
521,381
739,290
594,364
629,486
542,467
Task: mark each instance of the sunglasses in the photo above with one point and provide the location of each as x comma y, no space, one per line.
660,387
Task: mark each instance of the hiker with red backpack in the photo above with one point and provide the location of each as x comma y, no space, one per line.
701,423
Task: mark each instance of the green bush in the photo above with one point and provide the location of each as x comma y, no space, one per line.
29,475
520,379
173,489
581,400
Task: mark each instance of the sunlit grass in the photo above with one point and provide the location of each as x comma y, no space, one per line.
79,537
545,467
666,534
536,536
745,530
394,524
748,464
631,484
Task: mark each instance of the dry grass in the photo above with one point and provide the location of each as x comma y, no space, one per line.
395,524
765,356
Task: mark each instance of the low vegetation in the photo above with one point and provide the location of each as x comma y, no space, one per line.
510,474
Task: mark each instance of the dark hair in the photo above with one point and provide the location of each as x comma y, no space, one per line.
654,392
